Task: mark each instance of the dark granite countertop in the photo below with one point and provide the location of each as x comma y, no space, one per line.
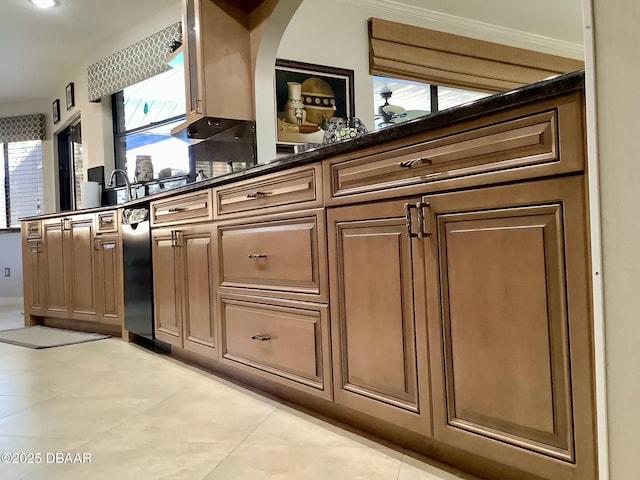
558,85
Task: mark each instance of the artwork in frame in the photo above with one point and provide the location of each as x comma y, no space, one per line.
56,111
308,96
71,101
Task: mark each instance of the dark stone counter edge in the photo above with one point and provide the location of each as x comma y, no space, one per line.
555,86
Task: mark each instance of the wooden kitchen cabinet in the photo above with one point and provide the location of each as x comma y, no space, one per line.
184,287
73,273
378,322
109,278
81,266
509,325
33,270
57,296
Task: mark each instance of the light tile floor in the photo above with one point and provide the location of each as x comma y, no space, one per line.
142,415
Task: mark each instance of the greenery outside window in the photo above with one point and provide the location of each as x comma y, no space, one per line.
143,116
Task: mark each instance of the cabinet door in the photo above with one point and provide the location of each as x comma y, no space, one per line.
167,305
55,258
378,323
81,267
510,325
34,276
109,282
194,245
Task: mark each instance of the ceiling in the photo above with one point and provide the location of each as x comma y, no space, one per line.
38,48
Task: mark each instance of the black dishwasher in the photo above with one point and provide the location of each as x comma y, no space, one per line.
137,271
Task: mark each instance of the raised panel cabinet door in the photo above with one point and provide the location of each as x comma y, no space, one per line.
195,245
82,267
34,276
510,324
109,282
55,259
167,314
378,323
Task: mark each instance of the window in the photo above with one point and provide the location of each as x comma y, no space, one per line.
143,116
21,176
414,99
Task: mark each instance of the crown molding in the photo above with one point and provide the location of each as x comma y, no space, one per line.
475,29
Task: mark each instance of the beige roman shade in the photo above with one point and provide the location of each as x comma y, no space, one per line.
438,58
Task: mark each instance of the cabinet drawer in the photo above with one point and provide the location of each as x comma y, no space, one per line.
297,188
34,229
192,207
280,339
279,255
107,221
525,141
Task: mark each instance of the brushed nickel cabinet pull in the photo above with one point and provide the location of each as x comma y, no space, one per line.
257,194
177,209
262,338
419,206
415,161
257,255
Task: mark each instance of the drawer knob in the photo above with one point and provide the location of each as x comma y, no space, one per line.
256,194
415,161
262,338
257,255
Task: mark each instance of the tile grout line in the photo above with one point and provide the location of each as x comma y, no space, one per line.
240,443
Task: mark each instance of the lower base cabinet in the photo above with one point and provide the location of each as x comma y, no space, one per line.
283,340
509,325
378,324
184,287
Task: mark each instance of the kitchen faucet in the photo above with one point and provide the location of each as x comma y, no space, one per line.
128,194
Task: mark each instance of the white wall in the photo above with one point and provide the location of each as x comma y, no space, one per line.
617,35
10,256
334,33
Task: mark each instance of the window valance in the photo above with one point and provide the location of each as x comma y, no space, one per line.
23,128
438,58
133,64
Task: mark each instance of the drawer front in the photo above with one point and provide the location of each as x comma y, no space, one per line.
278,255
516,143
282,340
34,229
192,207
297,189
108,221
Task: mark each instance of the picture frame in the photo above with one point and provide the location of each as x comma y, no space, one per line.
307,96
56,111
71,100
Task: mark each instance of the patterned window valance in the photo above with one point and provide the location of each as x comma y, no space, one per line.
22,129
133,64
438,58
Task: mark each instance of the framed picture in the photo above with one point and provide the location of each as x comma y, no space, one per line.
307,97
71,100
56,111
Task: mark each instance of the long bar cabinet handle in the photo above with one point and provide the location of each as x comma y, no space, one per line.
257,255
419,206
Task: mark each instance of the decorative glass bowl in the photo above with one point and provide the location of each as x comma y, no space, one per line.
340,129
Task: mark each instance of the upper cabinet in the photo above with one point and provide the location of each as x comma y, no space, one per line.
220,41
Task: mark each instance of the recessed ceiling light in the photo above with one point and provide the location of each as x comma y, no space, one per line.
44,3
